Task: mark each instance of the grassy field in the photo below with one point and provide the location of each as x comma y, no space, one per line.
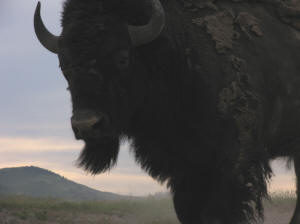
150,210
280,208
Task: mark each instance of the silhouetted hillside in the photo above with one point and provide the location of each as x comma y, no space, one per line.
37,182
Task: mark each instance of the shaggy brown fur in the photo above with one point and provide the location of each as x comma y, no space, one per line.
206,104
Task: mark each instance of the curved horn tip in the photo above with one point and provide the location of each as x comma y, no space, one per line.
38,6
47,39
37,9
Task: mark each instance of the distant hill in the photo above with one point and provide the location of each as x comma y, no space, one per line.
36,182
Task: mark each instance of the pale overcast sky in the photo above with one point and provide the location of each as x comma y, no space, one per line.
35,109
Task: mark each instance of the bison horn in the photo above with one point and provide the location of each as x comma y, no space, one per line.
47,39
141,35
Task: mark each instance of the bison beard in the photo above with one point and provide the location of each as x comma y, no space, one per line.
99,155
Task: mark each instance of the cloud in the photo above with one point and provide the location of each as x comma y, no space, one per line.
19,144
33,96
283,183
283,178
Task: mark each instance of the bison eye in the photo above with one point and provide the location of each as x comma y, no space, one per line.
122,59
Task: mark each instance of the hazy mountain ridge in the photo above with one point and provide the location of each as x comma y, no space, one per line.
38,182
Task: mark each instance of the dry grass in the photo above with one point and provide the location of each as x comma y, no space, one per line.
150,210
280,208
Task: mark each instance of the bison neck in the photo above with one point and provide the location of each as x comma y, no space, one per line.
175,115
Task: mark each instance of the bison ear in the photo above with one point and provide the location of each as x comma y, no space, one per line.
47,39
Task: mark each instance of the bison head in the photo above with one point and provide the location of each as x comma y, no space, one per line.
97,55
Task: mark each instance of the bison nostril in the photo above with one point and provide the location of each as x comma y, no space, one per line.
86,124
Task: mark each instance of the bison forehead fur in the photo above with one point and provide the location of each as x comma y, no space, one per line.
206,102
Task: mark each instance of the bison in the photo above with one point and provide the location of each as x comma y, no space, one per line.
207,92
